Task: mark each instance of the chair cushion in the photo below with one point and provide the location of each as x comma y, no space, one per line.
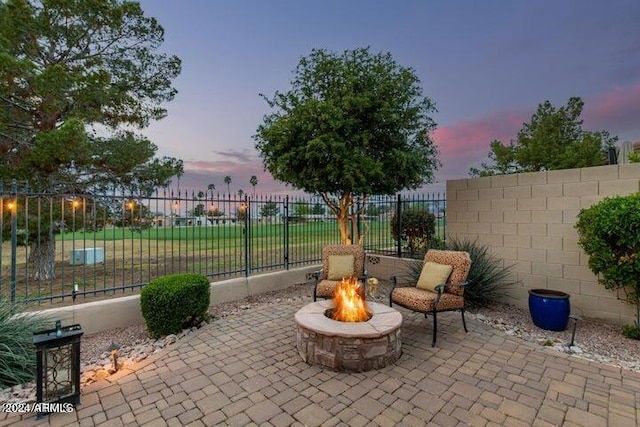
422,301
325,288
461,262
433,274
340,266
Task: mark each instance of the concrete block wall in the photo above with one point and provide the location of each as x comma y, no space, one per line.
528,220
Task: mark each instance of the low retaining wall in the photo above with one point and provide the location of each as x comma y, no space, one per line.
125,311
383,266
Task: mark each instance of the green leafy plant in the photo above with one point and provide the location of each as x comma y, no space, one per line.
488,278
417,229
634,157
17,354
174,302
609,233
352,124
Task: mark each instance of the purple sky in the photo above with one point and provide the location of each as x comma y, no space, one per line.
486,64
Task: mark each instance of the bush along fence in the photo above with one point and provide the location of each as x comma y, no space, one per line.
59,247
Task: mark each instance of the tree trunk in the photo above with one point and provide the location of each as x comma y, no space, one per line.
343,210
42,259
343,225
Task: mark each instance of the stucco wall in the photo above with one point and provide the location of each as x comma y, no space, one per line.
528,220
125,311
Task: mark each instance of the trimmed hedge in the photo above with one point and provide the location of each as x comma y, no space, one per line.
174,302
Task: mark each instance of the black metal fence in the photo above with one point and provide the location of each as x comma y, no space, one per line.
58,247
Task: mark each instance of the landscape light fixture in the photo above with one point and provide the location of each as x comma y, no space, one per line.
113,348
57,366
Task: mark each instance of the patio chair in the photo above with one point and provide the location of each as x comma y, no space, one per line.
439,288
338,262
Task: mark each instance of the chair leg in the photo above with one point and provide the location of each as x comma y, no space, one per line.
463,322
435,328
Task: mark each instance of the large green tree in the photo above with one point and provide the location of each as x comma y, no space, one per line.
77,78
352,124
553,139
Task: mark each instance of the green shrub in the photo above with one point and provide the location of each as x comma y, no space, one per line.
488,279
610,235
417,229
632,331
17,353
174,302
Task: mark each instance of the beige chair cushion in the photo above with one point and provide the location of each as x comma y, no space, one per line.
340,266
433,274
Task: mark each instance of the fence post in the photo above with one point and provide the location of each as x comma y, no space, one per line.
399,226
14,239
247,246
286,232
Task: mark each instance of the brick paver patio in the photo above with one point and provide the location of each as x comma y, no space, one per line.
244,370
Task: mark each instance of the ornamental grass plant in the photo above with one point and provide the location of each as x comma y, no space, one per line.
17,352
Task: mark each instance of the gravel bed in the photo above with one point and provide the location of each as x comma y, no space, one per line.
594,340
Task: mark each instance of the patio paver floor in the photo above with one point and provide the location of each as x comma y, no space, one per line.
245,370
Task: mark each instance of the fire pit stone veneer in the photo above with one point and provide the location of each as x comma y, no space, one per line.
349,346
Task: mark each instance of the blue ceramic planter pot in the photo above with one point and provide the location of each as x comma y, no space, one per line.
549,309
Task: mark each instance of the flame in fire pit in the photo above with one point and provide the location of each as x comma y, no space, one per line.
349,302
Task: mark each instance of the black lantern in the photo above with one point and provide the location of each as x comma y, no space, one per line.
58,366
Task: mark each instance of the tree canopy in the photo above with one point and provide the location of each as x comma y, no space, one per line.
553,139
352,125
76,78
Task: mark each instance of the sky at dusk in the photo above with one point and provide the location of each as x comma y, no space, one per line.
486,64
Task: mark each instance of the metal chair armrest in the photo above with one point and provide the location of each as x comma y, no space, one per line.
441,288
457,285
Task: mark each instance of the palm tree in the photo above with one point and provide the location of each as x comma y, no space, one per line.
211,187
227,180
254,181
240,192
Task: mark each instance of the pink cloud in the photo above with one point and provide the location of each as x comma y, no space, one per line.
475,135
466,143
617,111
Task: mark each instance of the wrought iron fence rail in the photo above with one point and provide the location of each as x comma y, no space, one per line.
57,247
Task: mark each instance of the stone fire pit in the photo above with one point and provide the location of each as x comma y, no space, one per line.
349,346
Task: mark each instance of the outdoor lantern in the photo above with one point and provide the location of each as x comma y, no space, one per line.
58,365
